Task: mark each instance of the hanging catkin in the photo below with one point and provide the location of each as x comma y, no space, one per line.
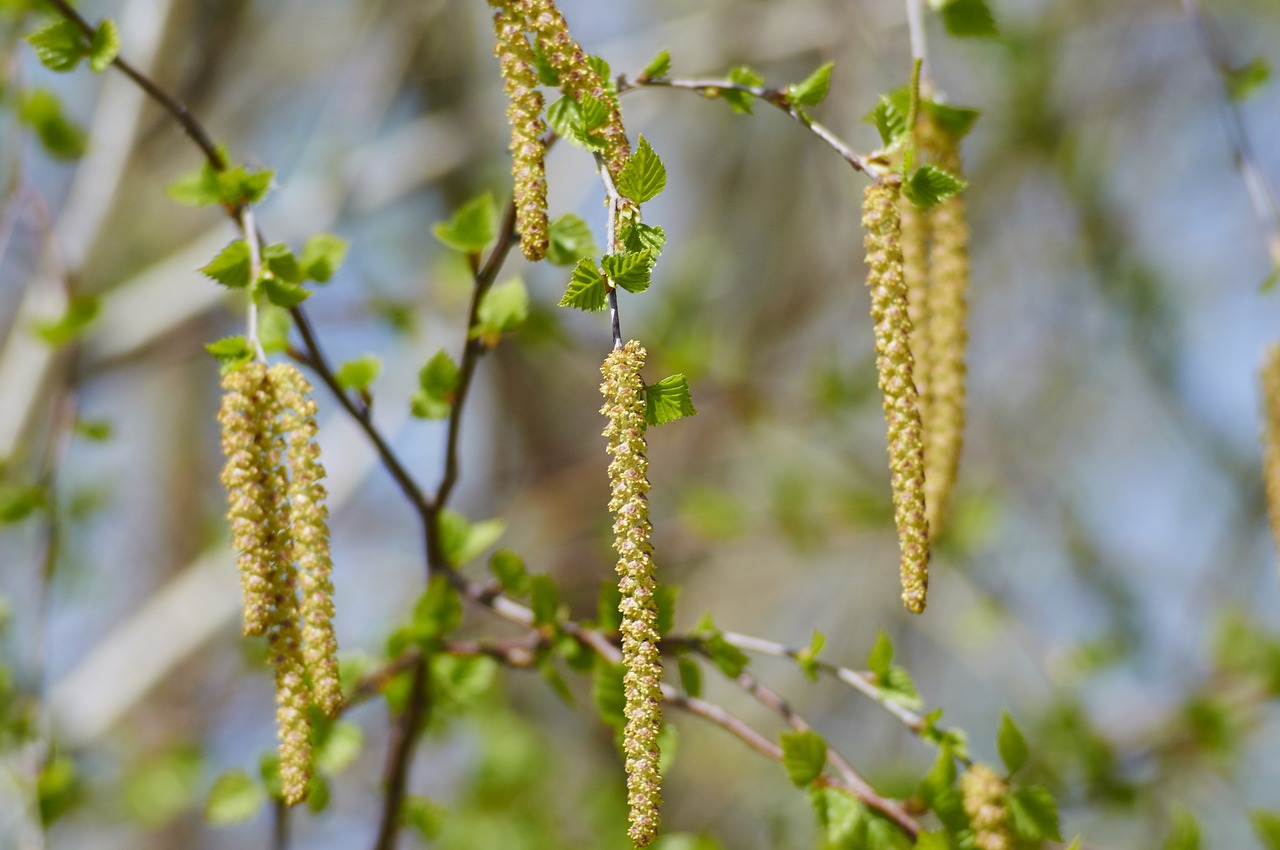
985,797
889,310
624,407
528,171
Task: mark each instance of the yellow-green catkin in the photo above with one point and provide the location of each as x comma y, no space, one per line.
915,272
889,310
986,801
946,310
520,81
310,521
577,77
1271,437
247,426
624,407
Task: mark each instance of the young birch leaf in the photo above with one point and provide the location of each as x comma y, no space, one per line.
843,819
472,227
608,692
437,383
813,89
690,676
508,568
1184,832
1011,744
967,18
282,294
731,660
664,600
19,501
197,188
1266,825
587,289
807,658
896,686
339,747
41,110
631,271
1245,80
439,611
804,755
62,330
358,374
643,237
273,328
658,67
931,185
564,116
281,262
595,113
880,657
608,617
644,175
59,45
955,121
890,121
547,74
104,47
504,308
601,67
544,599
321,257
1034,814
234,798
480,536
668,400
231,267
740,101
570,240
230,350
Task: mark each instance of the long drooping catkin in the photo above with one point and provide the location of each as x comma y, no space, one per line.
624,407
889,310
577,77
915,273
1271,437
947,339
520,81
985,797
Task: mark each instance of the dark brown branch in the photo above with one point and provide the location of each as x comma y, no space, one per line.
400,754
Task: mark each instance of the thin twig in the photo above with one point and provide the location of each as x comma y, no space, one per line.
919,44
400,755
776,97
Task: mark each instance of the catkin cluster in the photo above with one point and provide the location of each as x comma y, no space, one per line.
985,797
520,82
279,527
1271,437
935,248
890,312
624,407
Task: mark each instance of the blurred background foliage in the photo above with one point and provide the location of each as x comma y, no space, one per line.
1109,578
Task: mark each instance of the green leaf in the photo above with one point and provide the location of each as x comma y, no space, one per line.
321,257
931,185
1011,744
283,294
59,45
438,611
1033,813
657,67
508,568
547,74
279,260
896,686
807,658
318,793
472,227
19,501
731,660
608,692
97,430
231,350
339,747
570,240
843,819
105,46
480,536
644,176
668,400
231,267
71,324
690,675
573,121
423,816
967,18
804,755
358,374
595,113
438,384
1266,825
740,101
933,841
608,617
889,118
234,798
41,110
664,600
273,328
1245,80
629,271
161,788
1184,832
601,67
955,121
544,599
234,187
564,116
880,657
504,308
642,237
587,289
813,89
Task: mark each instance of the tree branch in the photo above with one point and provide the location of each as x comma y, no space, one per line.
400,755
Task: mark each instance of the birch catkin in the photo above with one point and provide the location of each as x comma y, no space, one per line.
528,171
947,339
1271,437
889,310
985,797
624,407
